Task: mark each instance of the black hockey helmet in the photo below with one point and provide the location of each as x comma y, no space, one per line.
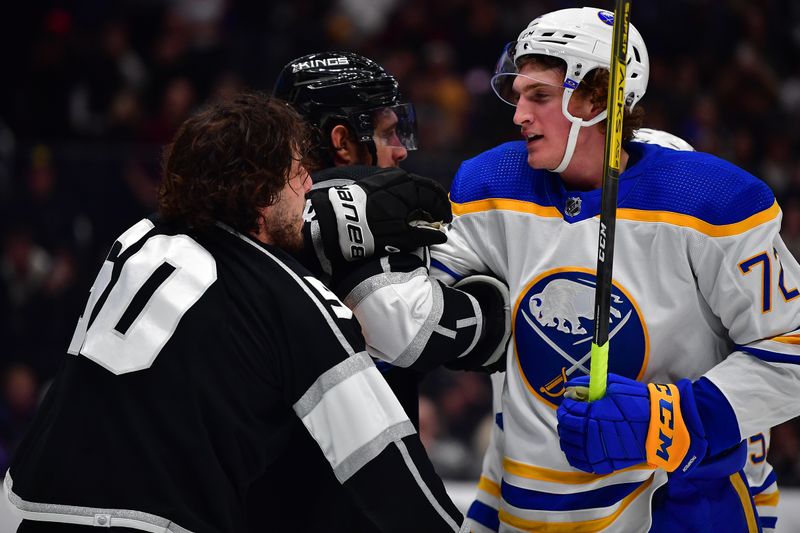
348,88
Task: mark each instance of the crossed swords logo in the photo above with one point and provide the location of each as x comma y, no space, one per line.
578,364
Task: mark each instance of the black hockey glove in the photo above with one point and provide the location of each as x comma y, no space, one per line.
363,212
489,353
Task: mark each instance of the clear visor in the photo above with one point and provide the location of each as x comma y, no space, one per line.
395,126
506,73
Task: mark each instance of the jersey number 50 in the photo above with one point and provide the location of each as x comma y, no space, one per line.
131,316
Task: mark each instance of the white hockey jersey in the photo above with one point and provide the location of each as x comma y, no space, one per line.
703,286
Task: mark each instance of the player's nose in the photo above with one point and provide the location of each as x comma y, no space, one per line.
399,153
522,114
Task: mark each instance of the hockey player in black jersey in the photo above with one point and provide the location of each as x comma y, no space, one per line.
362,125
202,343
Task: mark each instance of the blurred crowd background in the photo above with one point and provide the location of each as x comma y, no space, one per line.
92,89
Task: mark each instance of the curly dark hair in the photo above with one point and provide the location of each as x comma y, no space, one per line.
230,160
593,87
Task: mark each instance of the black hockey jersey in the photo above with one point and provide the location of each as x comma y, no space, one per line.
195,356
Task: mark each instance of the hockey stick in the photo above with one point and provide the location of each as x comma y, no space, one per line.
598,371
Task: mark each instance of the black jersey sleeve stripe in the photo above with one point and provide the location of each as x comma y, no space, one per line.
322,309
89,516
330,379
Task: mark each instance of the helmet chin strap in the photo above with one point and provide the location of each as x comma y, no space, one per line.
569,150
575,128
373,151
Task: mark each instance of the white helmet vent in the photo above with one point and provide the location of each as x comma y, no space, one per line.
582,38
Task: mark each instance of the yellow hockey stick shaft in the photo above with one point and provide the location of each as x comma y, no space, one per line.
598,372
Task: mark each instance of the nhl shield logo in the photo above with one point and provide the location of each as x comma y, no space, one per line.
553,324
573,206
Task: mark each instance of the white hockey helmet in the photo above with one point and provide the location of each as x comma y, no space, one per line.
661,138
582,37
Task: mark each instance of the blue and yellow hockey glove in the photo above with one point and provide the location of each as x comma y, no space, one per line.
633,423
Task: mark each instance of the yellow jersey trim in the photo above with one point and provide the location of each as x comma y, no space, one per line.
504,204
769,500
787,339
586,526
688,221
557,476
488,486
639,215
744,495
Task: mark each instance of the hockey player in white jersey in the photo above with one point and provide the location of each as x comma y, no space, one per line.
482,516
704,303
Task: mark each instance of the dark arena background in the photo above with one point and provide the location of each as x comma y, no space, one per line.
92,89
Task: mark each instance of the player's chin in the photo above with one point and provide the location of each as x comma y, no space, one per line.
537,161
288,235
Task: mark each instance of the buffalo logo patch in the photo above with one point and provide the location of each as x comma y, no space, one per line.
553,326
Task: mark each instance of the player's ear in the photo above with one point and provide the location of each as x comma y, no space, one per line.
345,149
596,109
583,107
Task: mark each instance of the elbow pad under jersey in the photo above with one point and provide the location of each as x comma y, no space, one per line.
411,320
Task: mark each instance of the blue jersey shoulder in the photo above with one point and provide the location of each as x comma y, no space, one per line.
501,172
696,184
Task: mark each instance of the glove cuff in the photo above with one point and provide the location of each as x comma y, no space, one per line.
675,438
492,296
313,255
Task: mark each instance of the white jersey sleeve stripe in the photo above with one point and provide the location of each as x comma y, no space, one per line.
372,449
89,516
415,323
316,238
334,328
340,435
420,340
372,284
412,467
477,320
330,379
